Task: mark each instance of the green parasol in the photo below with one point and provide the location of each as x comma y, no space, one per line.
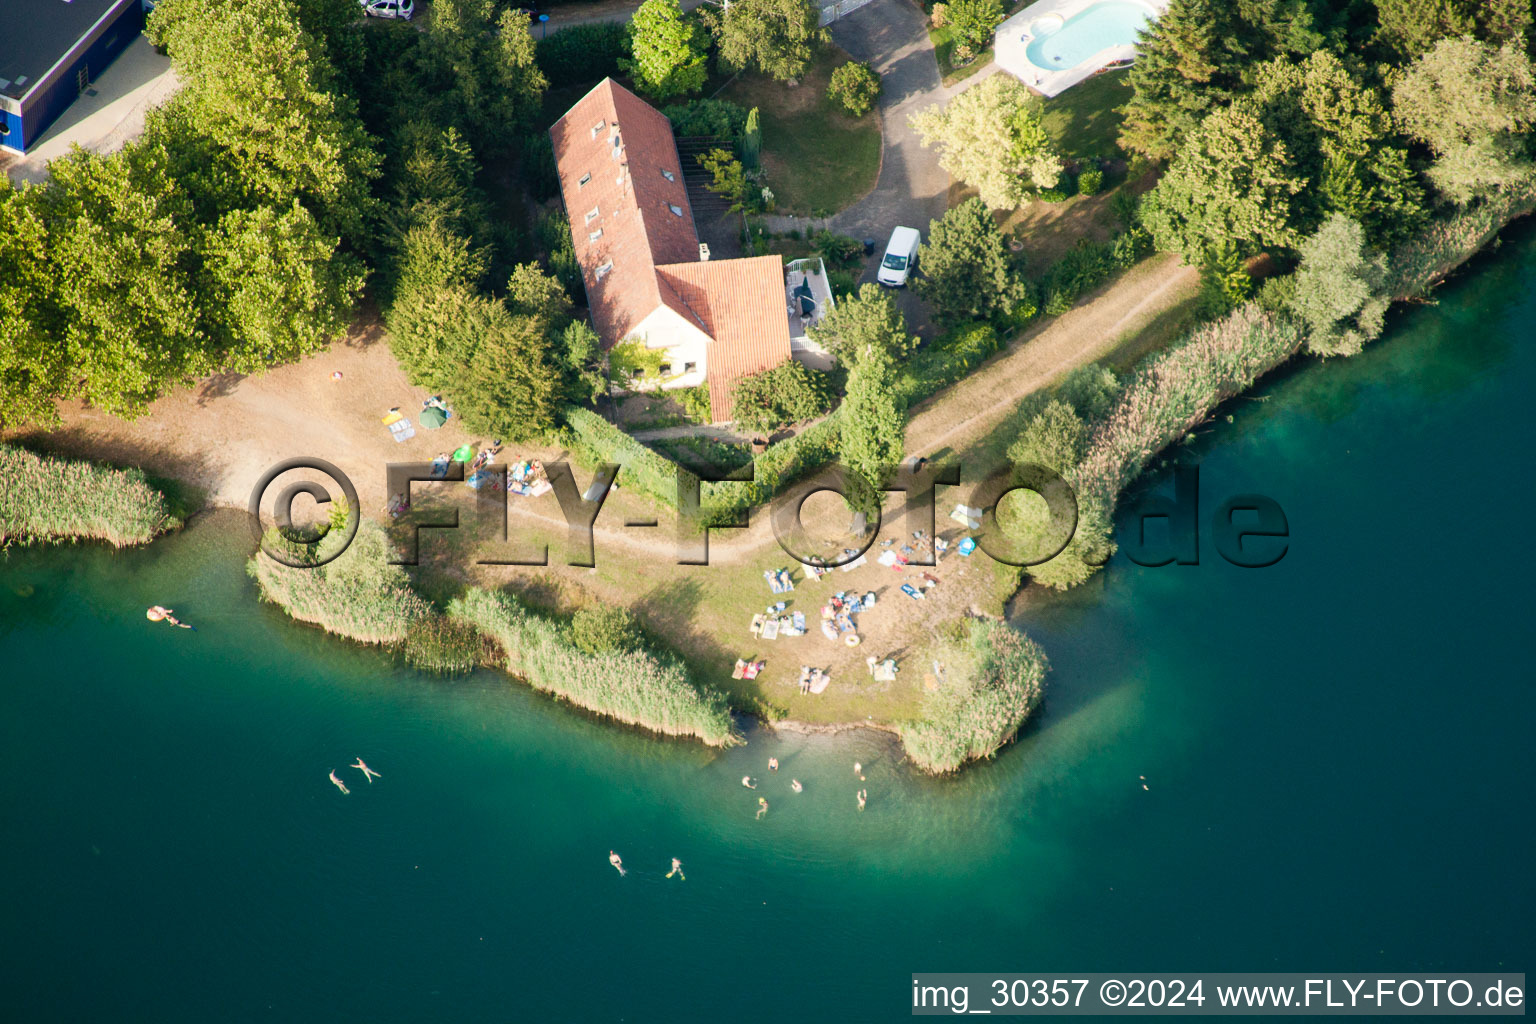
432,417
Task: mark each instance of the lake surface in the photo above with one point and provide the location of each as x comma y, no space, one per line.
1337,752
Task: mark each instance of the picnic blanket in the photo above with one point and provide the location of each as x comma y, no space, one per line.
770,630
912,592
854,564
820,681
889,558
747,669
400,428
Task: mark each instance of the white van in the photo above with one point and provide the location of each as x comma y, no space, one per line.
402,9
900,256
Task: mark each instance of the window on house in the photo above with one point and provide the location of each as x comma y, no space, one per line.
584,179
597,129
675,209
595,235
665,369
592,214
668,174
602,271
690,367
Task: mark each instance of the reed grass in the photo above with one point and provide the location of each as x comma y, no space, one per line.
993,680
635,686
359,595
43,498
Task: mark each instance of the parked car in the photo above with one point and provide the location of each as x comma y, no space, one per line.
402,9
900,257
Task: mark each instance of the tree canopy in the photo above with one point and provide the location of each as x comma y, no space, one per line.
863,321
988,137
669,51
777,37
965,265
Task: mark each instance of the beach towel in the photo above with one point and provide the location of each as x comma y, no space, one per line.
819,681
966,547
740,669
770,630
828,630
887,558
912,592
855,563
399,427
800,621
752,669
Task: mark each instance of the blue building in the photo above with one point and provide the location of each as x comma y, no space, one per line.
50,51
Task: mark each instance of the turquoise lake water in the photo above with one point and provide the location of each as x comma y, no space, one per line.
1337,751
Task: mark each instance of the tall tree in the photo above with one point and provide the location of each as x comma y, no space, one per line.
476,71
1232,183
869,319
777,37
988,137
668,49
1472,105
966,270
1410,28
33,365
873,423
261,89
1340,288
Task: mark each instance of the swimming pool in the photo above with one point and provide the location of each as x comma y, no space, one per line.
1059,45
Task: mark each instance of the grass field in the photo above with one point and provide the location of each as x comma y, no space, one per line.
1084,121
818,159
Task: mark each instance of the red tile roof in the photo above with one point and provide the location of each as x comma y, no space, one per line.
634,200
742,306
621,146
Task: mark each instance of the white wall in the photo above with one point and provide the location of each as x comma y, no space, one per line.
684,341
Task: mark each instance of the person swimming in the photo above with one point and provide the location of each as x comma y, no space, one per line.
858,769
773,764
677,869
339,784
160,613
863,796
746,780
762,807
617,862
368,773
794,784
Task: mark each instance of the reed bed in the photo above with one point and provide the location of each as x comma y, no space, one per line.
994,679
47,499
359,595
635,687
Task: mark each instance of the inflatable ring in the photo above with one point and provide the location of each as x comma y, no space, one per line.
852,639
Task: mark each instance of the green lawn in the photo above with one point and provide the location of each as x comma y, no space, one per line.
817,158
1084,121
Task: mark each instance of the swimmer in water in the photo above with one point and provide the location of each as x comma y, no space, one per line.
677,869
617,862
746,780
368,773
339,784
773,764
794,784
858,769
762,807
863,796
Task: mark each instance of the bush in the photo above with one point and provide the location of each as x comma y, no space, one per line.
993,680
358,595
839,252
704,454
605,628
1090,182
582,53
631,686
707,117
44,498
974,21
695,403
596,440
842,282
774,469
437,644
1052,195
856,86
788,393
946,360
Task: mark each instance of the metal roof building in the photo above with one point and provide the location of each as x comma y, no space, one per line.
50,50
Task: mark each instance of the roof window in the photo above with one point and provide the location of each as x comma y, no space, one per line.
591,214
602,271
668,174
595,235
675,209
597,129
584,179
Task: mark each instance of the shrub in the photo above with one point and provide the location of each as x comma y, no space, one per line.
992,681
605,628
437,644
704,454
973,21
842,282
632,686
582,53
856,86
1052,195
695,403
839,252
43,498
358,595
596,440
946,360
774,469
939,16
1090,182
707,117
788,393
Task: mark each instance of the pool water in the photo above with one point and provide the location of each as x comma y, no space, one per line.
1086,33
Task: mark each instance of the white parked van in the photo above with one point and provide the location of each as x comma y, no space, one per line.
402,9
900,255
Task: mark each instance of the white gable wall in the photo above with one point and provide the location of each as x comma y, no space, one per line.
684,341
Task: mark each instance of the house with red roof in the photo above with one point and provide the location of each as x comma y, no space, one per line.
647,277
